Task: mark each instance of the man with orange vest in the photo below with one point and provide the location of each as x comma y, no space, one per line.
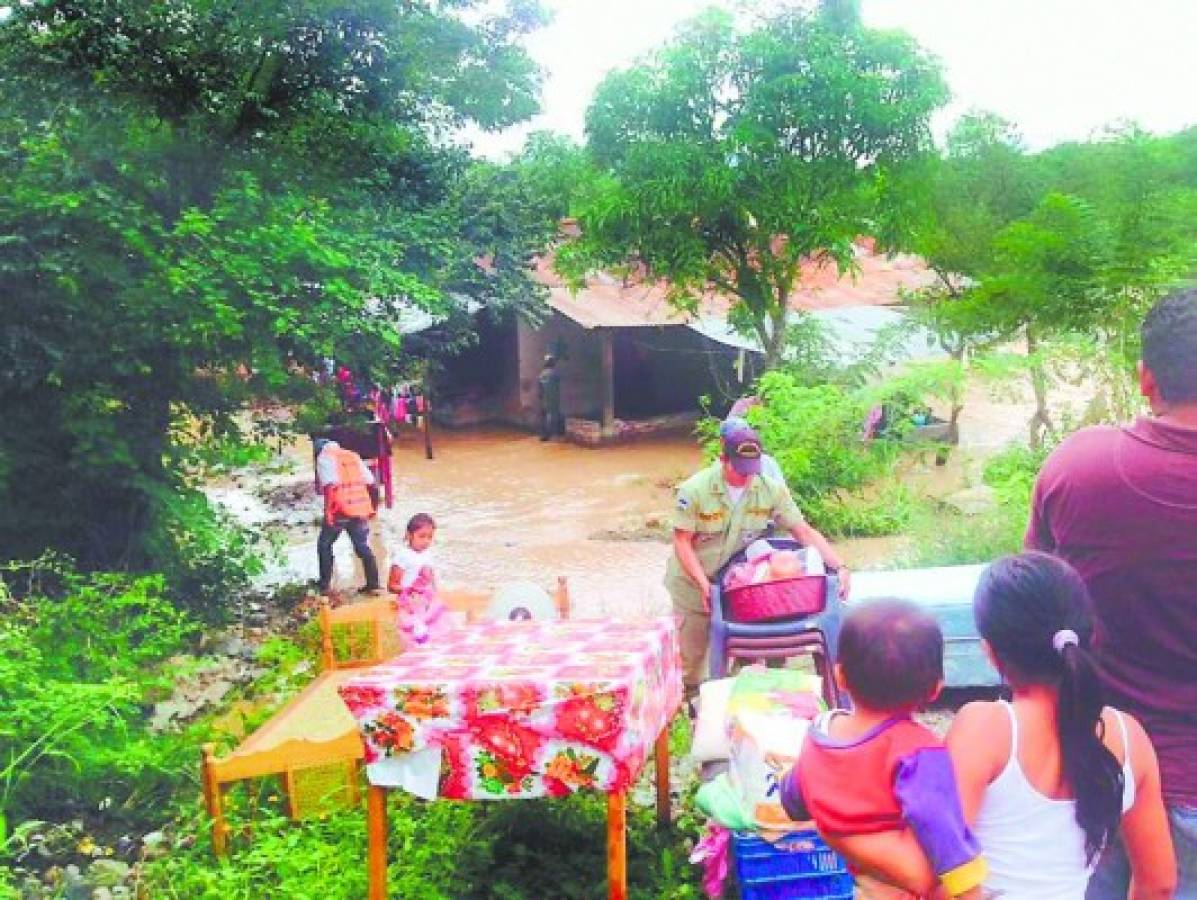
345,481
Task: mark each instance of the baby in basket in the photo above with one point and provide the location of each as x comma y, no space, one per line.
764,564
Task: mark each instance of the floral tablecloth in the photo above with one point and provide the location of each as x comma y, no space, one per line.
525,709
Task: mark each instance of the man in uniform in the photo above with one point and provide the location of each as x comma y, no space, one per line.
549,382
719,512
345,481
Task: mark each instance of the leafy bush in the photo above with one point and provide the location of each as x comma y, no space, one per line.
814,431
204,555
438,851
77,667
943,536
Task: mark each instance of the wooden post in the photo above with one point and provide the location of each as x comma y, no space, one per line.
608,423
291,794
354,776
376,829
661,756
617,849
427,424
214,800
563,602
328,659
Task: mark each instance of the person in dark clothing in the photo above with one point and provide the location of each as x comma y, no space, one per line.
1120,505
551,423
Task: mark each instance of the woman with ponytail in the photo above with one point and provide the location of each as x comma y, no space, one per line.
1049,778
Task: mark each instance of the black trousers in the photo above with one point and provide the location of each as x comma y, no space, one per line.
551,424
359,533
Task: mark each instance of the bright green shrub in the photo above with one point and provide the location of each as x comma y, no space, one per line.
814,431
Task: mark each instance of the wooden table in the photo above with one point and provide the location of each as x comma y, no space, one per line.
523,710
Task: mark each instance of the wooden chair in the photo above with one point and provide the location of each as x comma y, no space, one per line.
313,744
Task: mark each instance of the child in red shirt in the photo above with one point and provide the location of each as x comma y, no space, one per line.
874,770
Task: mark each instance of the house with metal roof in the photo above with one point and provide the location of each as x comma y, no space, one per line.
630,362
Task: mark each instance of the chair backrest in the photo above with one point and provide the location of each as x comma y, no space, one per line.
364,634
359,634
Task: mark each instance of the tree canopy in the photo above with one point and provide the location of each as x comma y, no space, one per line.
1075,242
205,197
732,155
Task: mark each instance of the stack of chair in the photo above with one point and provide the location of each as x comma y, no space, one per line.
816,634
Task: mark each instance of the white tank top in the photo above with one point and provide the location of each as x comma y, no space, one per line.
1033,845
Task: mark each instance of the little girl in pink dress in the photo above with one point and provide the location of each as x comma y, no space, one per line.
421,614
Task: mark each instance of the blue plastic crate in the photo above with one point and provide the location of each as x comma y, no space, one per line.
797,865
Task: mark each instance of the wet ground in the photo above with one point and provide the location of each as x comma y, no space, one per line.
511,508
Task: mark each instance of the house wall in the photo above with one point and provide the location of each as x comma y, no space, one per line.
579,361
658,371
480,384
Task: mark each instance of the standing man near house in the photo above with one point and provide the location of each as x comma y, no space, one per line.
551,423
719,512
1120,504
345,481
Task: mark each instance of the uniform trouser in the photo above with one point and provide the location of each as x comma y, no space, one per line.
359,534
551,425
694,636
1112,879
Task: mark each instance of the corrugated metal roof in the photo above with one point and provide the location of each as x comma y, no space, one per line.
607,302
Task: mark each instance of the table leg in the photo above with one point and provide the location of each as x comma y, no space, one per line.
376,828
617,848
661,756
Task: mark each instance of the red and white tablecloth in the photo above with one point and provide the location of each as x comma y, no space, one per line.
524,709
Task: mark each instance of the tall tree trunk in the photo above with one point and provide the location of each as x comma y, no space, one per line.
774,334
959,354
1041,424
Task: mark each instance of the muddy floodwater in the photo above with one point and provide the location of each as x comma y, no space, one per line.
512,508
508,508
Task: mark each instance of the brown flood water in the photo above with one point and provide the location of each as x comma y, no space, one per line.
511,508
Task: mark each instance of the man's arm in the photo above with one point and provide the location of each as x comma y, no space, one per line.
1039,532
787,515
683,546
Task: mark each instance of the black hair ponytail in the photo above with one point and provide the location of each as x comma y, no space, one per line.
1034,611
1090,768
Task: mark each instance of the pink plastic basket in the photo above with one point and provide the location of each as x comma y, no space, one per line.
803,596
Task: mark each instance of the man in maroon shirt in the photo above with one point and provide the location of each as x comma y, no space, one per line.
1120,504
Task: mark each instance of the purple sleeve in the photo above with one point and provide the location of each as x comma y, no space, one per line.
790,795
925,787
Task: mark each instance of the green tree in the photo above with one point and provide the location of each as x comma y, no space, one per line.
730,157
202,200
961,201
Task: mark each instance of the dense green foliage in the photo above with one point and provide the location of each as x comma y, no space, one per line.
1077,241
202,200
440,851
943,536
82,658
729,157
